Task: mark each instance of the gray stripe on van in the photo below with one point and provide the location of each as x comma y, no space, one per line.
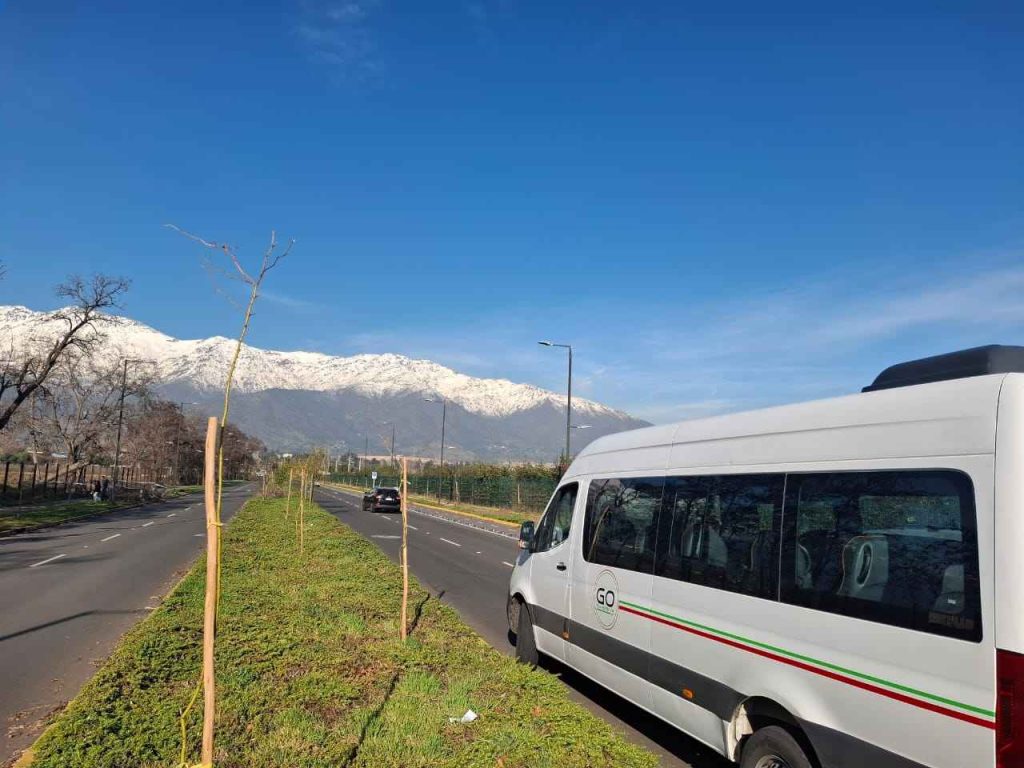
836,749
833,748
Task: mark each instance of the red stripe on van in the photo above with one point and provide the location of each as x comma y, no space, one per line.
818,671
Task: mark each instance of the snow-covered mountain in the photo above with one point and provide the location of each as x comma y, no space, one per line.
294,400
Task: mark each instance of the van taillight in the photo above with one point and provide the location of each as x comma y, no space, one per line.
1009,709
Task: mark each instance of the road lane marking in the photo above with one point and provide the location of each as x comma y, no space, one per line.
412,527
382,536
198,534
449,541
174,513
146,525
48,560
504,562
110,537
478,553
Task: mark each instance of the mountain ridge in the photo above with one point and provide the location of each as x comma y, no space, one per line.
196,368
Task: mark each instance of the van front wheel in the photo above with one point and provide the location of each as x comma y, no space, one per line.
773,747
526,642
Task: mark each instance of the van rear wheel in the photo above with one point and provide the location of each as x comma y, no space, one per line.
526,642
773,747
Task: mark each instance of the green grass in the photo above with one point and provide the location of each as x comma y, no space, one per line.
55,511
311,673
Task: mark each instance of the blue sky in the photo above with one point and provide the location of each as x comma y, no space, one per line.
720,205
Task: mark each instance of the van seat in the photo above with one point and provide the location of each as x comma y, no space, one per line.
951,599
865,567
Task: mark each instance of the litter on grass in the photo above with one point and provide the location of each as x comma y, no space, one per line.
469,717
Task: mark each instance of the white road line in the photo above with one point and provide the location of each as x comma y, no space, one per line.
198,534
174,513
146,525
503,562
382,536
110,537
412,527
449,541
48,560
186,509
478,553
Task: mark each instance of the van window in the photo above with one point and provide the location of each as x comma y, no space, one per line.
554,525
621,521
897,547
722,531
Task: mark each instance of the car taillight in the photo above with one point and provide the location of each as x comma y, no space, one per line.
1009,709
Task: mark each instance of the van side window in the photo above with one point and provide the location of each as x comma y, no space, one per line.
554,526
621,521
896,547
722,531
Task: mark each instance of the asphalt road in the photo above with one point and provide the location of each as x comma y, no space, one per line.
468,567
68,593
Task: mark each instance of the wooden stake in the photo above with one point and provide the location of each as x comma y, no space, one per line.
302,515
210,607
405,548
288,505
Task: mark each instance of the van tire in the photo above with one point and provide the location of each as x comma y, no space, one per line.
526,641
773,747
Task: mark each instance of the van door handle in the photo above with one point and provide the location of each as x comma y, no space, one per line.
560,566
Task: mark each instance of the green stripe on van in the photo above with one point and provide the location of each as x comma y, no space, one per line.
818,662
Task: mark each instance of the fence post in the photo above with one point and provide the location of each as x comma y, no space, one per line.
7,468
46,473
21,477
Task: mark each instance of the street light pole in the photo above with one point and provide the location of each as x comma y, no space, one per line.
568,403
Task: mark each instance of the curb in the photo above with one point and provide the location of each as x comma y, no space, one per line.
486,519
28,756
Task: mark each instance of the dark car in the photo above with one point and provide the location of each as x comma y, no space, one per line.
382,500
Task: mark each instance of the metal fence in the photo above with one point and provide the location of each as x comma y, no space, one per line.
528,494
27,482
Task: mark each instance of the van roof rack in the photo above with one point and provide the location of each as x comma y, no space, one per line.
977,361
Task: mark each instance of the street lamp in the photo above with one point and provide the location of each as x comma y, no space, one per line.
444,418
568,406
385,423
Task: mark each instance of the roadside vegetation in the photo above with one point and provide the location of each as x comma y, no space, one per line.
494,514
310,672
27,517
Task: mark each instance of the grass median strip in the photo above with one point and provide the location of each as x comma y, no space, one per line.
311,673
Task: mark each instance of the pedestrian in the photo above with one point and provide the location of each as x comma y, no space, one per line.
96,490
105,489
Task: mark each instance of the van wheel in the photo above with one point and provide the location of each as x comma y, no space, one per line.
773,747
526,642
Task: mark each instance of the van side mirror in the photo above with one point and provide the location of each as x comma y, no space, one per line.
526,534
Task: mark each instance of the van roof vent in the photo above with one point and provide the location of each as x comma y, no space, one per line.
978,361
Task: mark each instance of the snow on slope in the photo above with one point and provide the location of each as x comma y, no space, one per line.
202,364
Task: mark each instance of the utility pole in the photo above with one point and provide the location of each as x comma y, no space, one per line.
392,444
120,421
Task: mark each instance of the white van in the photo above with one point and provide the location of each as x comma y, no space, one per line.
835,584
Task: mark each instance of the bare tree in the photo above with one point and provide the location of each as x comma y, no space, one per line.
27,371
81,398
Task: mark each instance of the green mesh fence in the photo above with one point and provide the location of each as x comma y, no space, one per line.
526,494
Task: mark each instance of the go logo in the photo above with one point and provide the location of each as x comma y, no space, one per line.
606,604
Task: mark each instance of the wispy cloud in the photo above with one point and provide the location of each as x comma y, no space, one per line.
291,302
339,34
